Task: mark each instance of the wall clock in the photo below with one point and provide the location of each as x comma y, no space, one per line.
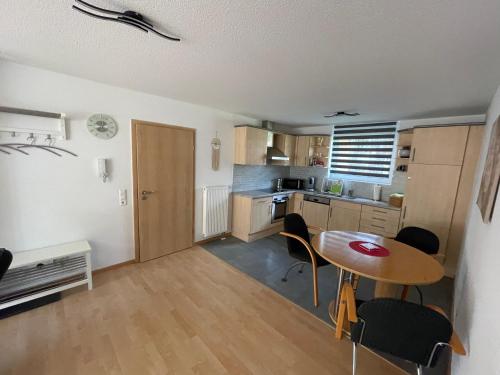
102,126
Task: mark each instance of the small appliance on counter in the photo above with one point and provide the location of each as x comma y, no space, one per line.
377,192
278,184
310,183
293,184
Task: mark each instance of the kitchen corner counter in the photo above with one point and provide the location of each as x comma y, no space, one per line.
270,193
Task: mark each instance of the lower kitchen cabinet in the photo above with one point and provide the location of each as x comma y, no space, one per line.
252,218
260,214
316,214
344,216
296,203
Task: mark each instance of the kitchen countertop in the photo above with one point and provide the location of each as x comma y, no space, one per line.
269,193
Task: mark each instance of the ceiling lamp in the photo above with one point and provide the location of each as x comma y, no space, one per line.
129,17
342,113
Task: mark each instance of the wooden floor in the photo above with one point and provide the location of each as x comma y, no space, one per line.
186,313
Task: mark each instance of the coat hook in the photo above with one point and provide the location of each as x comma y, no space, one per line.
13,134
31,139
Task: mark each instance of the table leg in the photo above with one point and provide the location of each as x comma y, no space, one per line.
386,290
339,290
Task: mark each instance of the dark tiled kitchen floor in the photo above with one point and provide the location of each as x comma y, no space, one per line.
267,260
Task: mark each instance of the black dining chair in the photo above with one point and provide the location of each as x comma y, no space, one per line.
421,239
410,331
5,261
299,247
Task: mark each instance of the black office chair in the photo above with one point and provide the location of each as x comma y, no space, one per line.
5,261
406,330
299,247
421,239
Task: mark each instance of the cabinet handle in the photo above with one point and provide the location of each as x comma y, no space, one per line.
379,211
378,218
330,214
413,155
404,212
377,226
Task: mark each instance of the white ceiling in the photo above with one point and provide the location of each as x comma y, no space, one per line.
285,60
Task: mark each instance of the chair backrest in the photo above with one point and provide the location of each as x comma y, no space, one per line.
5,261
295,224
403,329
419,238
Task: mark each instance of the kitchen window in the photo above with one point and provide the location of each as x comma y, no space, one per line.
363,152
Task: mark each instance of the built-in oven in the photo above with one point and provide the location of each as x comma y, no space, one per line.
279,208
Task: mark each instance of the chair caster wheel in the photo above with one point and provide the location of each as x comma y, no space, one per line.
300,271
284,280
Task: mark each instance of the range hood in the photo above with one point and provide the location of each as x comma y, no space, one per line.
273,153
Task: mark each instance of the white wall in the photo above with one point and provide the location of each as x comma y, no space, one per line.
46,200
477,287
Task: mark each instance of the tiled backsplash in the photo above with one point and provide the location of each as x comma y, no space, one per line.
248,177
360,189
251,177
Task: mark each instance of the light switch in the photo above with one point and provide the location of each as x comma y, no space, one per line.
122,196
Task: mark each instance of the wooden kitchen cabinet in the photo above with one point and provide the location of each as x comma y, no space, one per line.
261,214
430,198
286,143
251,218
250,146
344,216
302,151
316,214
439,145
297,202
381,221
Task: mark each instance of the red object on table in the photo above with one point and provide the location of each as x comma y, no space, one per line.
369,248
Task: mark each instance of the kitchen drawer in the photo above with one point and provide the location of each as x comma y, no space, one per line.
345,205
374,230
389,215
378,225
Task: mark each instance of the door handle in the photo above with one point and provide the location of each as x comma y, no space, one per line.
146,193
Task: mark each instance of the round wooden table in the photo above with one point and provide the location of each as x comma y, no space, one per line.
404,265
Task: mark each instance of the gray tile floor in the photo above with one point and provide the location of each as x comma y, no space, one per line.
267,260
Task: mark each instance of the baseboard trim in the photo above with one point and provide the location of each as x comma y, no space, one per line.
211,239
114,266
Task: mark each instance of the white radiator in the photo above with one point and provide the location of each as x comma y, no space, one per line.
215,210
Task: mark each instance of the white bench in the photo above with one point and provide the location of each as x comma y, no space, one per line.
41,272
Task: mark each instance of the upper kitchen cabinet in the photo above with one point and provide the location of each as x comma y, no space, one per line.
250,146
439,145
286,144
302,151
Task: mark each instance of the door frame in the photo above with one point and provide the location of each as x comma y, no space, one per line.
135,191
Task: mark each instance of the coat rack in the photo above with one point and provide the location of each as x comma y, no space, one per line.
50,135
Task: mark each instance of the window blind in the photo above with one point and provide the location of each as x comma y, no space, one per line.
363,150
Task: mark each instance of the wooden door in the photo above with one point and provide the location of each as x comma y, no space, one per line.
164,188
250,146
315,214
430,198
302,151
439,145
344,216
261,214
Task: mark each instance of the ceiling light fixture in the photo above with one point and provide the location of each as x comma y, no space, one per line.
129,17
342,113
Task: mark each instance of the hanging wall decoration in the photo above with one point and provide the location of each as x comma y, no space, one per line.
491,175
215,152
